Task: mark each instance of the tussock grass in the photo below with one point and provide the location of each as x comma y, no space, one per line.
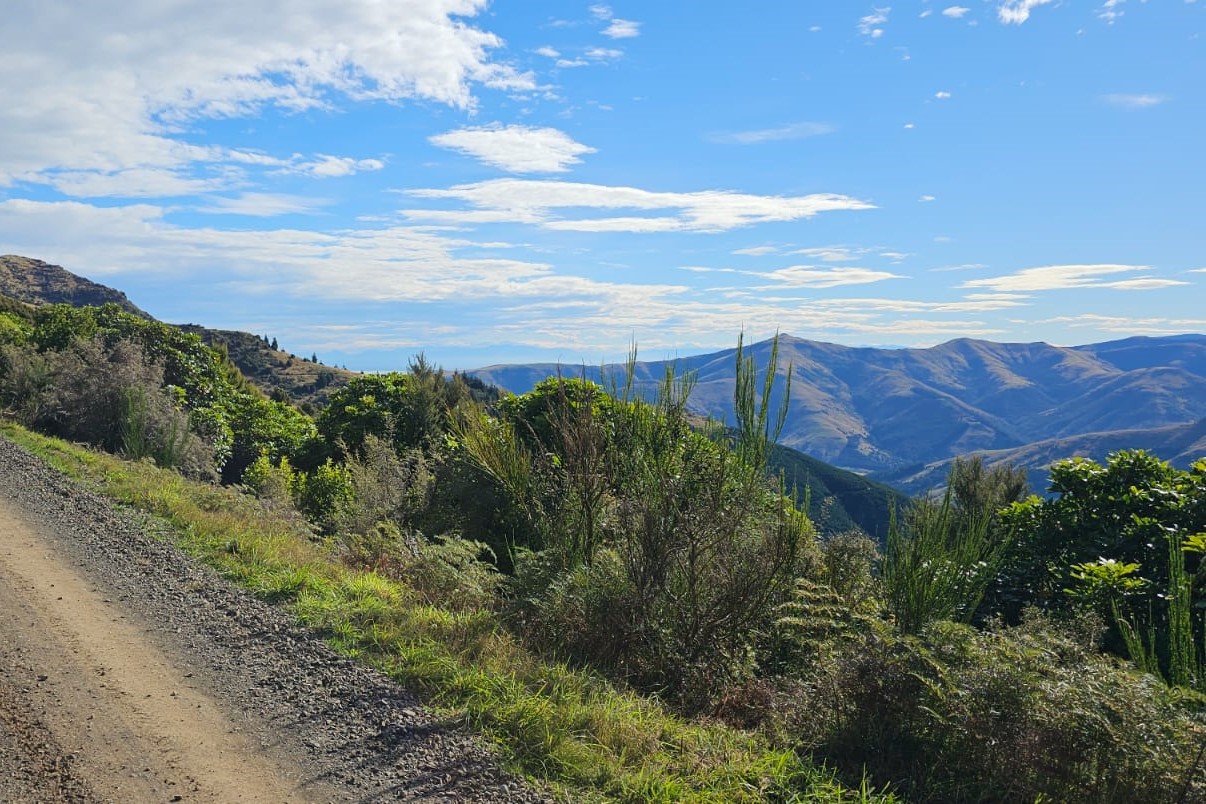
581,736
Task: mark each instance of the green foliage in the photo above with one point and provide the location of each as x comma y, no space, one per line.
273,483
1018,714
387,486
658,554
325,495
410,410
1119,529
937,565
259,426
14,329
755,433
207,397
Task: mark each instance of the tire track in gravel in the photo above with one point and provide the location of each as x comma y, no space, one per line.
137,724
130,673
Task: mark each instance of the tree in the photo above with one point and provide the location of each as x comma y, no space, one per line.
1133,526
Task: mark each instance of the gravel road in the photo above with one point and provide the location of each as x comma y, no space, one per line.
129,673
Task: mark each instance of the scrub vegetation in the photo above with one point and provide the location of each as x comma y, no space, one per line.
615,594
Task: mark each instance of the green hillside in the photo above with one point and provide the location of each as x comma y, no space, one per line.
839,501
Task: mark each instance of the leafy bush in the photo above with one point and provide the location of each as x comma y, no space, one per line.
938,565
1013,714
660,554
325,495
108,396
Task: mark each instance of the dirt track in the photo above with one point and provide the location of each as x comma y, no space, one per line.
129,674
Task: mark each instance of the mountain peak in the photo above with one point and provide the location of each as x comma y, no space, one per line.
38,282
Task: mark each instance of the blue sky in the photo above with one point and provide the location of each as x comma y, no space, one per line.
515,181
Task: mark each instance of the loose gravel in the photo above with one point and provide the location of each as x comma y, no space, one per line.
358,735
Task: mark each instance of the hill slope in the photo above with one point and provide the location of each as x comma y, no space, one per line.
1179,444
885,409
37,282
273,371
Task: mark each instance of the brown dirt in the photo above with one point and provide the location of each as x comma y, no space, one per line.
96,710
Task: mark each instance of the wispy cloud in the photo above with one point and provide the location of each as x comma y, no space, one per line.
942,94
762,251
1133,101
955,12
1111,11
324,166
616,27
1063,277
263,205
832,253
809,276
517,149
792,131
538,202
872,24
1127,324
622,29
1015,12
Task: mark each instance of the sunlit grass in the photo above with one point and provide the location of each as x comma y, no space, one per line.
570,730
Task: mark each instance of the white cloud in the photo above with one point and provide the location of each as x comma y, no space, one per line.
1133,101
547,52
1063,277
326,167
1130,326
115,90
942,94
762,251
871,25
1110,11
1152,283
955,12
808,276
831,253
925,199
1015,12
145,182
532,201
970,303
388,264
263,205
792,131
600,11
622,29
517,149
603,53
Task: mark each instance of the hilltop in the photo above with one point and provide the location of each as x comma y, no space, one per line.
37,282
274,371
885,410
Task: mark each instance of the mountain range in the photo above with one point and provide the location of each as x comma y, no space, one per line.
891,413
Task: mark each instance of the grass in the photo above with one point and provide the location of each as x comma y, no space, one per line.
575,733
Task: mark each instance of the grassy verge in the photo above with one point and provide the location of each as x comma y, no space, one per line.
576,733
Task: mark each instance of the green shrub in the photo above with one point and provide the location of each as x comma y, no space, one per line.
325,495
1014,714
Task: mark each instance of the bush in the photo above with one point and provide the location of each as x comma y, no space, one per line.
1005,715
111,397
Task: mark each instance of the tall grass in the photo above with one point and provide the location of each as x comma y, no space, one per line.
572,731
